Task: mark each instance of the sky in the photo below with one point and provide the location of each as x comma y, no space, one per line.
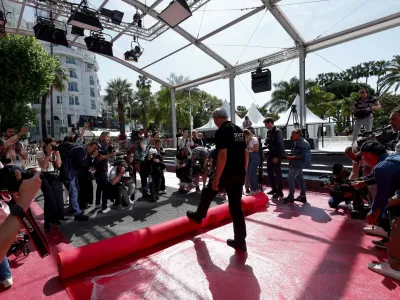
262,35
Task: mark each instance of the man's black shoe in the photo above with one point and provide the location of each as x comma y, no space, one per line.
117,207
272,192
279,194
81,217
301,199
288,199
237,245
194,216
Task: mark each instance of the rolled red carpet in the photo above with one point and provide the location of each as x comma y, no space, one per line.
83,259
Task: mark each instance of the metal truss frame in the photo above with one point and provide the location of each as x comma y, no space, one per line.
229,70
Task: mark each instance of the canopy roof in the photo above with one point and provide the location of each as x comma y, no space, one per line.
216,24
211,125
311,118
255,116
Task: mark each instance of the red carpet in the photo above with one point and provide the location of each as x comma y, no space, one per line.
294,252
82,259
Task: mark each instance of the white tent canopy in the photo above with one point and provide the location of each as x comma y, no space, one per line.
311,118
211,125
255,117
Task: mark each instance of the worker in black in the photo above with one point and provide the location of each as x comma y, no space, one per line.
276,152
231,166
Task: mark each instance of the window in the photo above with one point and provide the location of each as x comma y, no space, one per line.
72,74
91,80
73,100
93,102
71,60
72,87
59,99
92,94
89,66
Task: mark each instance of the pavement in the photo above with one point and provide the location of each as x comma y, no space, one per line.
139,215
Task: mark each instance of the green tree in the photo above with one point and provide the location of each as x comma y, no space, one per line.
392,77
284,94
26,73
316,100
119,91
241,111
145,102
388,103
143,82
58,84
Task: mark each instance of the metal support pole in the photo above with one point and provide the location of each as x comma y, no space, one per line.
190,112
173,112
232,96
302,60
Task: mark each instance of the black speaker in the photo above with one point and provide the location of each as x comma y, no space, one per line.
99,45
261,80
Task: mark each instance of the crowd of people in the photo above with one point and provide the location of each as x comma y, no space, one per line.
231,165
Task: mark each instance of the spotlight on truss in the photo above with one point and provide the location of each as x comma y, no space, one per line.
137,20
176,12
51,31
98,44
86,18
114,15
135,52
77,31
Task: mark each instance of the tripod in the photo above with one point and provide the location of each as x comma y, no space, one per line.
295,118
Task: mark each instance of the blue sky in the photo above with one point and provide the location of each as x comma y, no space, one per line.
264,36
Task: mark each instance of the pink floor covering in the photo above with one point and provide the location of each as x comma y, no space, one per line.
294,252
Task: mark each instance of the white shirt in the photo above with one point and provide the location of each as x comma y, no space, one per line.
113,173
186,143
50,168
252,142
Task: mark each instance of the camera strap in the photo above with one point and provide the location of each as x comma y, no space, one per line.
36,235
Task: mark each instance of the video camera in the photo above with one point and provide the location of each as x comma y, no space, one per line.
9,187
385,136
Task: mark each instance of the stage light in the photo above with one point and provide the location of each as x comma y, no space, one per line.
261,80
136,17
135,52
98,44
85,18
176,12
114,15
46,30
77,31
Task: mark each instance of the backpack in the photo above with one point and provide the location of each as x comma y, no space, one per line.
307,155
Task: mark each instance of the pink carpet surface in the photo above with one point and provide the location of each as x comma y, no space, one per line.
295,251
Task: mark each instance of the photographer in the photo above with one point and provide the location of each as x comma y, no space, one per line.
11,225
141,151
14,149
340,176
120,180
77,156
161,152
394,121
49,161
156,172
276,152
101,174
362,111
130,161
199,162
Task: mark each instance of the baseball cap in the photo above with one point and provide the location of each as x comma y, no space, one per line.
337,168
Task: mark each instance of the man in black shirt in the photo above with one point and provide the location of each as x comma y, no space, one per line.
363,112
232,161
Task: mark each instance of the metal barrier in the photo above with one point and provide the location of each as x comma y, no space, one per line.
31,161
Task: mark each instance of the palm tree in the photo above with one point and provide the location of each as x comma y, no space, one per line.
284,94
379,70
143,82
60,76
392,77
119,91
145,101
368,70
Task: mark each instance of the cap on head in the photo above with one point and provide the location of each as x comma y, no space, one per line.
337,168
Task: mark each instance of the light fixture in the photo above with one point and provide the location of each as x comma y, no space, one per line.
85,18
114,15
77,31
46,30
137,20
135,52
98,44
176,12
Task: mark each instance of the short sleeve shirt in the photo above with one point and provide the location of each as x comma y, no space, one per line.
200,153
41,155
365,105
252,142
231,137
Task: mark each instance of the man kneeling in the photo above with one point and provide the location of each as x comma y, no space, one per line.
121,182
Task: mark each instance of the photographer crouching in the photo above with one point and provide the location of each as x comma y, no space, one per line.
121,183
49,161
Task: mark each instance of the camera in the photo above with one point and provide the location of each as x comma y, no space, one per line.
55,148
9,183
385,136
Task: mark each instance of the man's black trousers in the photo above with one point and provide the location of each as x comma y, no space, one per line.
233,189
274,174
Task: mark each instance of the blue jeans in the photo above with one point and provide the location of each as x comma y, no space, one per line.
296,173
5,271
254,162
72,187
